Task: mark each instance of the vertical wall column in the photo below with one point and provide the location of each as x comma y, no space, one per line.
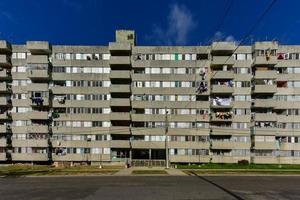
5,101
120,77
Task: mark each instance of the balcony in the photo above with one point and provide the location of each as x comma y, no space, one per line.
5,61
265,89
4,88
265,160
119,74
37,59
120,116
223,75
3,128
189,144
38,87
38,129
222,60
119,60
264,60
120,88
265,131
119,46
229,145
38,115
3,142
290,146
36,74
5,47
72,157
229,131
189,158
265,145
38,47
41,102
228,159
30,143
5,115
265,103
2,156
220,119
119,144
29,157
265,74
223,46
265,117
140,144
5,74
120,102
221,89
4,101
265,45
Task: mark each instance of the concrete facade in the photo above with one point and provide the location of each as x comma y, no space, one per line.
221,103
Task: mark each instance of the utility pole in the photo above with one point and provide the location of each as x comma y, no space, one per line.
166,138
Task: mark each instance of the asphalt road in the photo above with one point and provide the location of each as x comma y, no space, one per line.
159,187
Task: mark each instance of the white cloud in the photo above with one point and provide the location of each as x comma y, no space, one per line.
180,24
219,36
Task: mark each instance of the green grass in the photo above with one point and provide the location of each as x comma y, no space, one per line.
143,172
41,170
239,166
243,172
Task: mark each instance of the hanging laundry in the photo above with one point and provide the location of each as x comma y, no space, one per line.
55,115
281,56
38,101
221,101
61,99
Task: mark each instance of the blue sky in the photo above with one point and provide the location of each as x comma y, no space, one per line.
156,22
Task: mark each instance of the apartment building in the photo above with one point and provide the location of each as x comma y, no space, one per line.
221,103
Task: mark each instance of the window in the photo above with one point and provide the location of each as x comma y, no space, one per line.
240,56
155,70
59,69
166,70
106,56
242,70
242,98
19,55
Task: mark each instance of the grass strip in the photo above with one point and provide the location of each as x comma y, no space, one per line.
238,166
27,170
243,172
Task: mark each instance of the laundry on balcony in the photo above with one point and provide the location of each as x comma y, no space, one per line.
223,115
202,87
221,101
55,115
61,99
268,54
228,83
60,151
37,100
202,74
264,125
281,56
268,82
138,57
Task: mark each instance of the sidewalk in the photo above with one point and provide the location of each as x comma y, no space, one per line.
170,172
124,172
175,172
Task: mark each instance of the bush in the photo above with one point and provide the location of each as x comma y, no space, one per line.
243,162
